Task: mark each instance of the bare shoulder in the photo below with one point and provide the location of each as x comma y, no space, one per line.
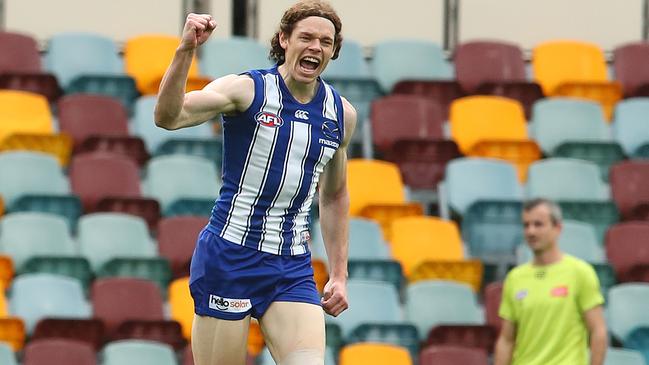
239,89
350,119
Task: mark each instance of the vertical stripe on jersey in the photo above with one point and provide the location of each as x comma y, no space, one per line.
329,106
256,167
302,219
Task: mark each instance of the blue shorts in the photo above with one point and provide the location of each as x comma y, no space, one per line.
229,281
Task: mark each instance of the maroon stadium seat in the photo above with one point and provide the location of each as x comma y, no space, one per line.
478,62
145,208
629,188
91,331
99,175
492,297
168,332
20,66
397,117
59,351
443,92
176,240
473,336
451,355
422,162
627,249
117,300
131,147
630,65
85,115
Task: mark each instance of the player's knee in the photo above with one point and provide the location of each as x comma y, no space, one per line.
304,357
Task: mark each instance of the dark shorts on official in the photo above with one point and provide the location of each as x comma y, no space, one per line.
229,281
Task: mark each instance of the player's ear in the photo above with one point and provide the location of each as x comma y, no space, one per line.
283,40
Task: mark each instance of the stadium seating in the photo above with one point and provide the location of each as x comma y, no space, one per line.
21,69
600,215
638,340
628,187
442,91
627,309
57,145
627,246
385,214
426,62
373,182
376,354
432,303
578,239
58,352
60,296
138,352
403,335
468,271
176,240
422,162
66,206
628,63
617,356
492,296
181,305
13,332
6,271
498,182
450,355
106,236
386,270
265,358
492,230
467,336
7,355
629,126
174,177
573,68
29,173
366,241
24,112
209,148
365,295
146,58
234,55
350,63
89,331
566,179
22,242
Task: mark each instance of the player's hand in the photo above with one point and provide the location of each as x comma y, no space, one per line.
198,28
334,298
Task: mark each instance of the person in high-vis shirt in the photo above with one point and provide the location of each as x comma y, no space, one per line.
552,306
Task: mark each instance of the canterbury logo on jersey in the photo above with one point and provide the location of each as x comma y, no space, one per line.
269,119
302,114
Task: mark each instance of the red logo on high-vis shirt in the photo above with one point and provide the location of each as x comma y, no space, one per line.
559,291
269,119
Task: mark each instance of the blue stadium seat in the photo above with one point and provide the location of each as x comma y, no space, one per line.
105,236
430,303
566,179
638,340
578,239
498,181
627,308
365,241
350,63
27,173
138,352
265,358
366,295
492,230
616,356
224,56
630,126
398,60
173,177
143,126
37,296
7,356
31,234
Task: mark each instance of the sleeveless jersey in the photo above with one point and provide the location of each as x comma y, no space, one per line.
273,155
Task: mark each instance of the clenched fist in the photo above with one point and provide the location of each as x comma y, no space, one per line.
198,28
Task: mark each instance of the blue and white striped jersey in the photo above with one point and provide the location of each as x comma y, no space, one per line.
273,156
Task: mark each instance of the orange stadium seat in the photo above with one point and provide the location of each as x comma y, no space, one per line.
375,354
12,331
493,126
57,145
182,306
2,206
146,58
6,271
24,112
384,214
320,273
464,271
418,239
373,182
575,68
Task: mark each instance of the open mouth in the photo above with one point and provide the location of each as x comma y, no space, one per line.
309,63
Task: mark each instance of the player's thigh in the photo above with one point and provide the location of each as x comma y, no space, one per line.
218,341
292,326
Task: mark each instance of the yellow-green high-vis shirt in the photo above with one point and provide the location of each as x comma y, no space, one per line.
546,304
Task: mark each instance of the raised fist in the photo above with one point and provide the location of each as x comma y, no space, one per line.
198,28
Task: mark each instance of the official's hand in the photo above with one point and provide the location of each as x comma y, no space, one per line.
334,298
198,28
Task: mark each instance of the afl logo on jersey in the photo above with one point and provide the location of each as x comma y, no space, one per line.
269,119
330,130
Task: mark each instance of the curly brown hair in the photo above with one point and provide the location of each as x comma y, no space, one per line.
299,11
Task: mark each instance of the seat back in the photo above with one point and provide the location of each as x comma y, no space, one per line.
24,112
20,53
628,185
224,56
138,352
627,245
373,182
85,115
478,62
628,63
626,308
373,353
59,352
566,179
23,173
349,64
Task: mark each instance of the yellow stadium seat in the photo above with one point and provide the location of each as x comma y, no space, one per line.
182,305
464,271
418,239
12,331
58,145
493,126
6,271
24,112
373,182
375,354
146,58
384,214
574,68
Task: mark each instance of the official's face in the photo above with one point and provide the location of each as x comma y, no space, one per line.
540,232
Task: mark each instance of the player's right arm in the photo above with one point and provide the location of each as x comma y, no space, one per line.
505,343
176,109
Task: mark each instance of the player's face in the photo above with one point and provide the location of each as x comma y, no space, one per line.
309,48
540,232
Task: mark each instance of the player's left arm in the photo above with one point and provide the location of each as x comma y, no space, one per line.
596,325
334,212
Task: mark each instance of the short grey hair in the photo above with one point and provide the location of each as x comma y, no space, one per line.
555,211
